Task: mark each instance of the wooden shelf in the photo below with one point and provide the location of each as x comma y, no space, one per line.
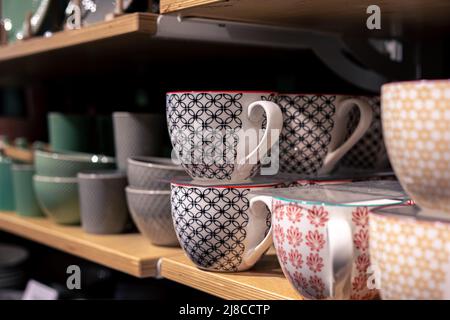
264,281
24,155
129,253
398,17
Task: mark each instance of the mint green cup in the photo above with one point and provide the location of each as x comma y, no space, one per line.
58,198
70,132
24,195
6,184
59,164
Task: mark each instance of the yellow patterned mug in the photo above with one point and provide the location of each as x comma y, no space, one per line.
416,128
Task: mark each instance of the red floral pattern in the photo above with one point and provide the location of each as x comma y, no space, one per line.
294,213
317,285
318,216
361,217
295,258
361,240
362,263
314,262
294,236
278,212
282,254
278,233
315,240
300,281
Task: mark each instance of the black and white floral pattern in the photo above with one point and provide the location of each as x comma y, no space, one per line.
306,135
211,225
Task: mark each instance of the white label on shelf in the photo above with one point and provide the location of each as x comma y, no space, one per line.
38,291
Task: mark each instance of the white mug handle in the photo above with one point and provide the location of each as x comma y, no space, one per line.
342,110
340,246
274,118
257,219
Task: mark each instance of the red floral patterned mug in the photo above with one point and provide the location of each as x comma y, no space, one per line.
322,243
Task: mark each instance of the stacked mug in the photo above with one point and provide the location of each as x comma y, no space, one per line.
410,246
221,139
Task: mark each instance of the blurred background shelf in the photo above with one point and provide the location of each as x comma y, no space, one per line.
23,155
264,281
129,253
399,17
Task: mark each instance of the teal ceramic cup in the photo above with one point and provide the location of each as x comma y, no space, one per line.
24,195
6,184
58,198
70,132
58,164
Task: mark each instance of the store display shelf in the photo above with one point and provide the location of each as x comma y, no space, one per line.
264,281
129,253
121,28
397,16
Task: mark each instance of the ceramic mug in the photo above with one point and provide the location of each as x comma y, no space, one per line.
6,184
216,228
369,153
211,132
70,132
24,194
314,129
411,253
416,117
322,243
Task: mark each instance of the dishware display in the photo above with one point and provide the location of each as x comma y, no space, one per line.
416,124
70,132
58,198
6,183
24,195
12,260
410,251
65,164
152,173
150,210
369,153
314,127
215,227
222,135
321,235
102,201
14,14
137,134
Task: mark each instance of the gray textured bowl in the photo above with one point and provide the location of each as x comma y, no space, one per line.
58,198
56,164
152,173
151,212
102,201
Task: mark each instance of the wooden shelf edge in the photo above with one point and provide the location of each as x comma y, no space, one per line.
19,154
127,24
68,239
169,6
217,284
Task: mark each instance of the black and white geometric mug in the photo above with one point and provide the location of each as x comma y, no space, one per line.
314,129
221,136
216,228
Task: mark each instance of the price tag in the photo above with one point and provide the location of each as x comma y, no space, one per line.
38,291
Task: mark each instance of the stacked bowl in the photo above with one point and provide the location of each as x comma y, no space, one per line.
56,183
148,197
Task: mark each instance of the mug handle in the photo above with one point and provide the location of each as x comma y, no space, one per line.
257,203
340,246
343,109
274,118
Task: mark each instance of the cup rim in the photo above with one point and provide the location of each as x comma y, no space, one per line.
22,166
120,114
419,81
101,174
130,189
327,94
221,91
85,157
153,163
250,185
39,178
